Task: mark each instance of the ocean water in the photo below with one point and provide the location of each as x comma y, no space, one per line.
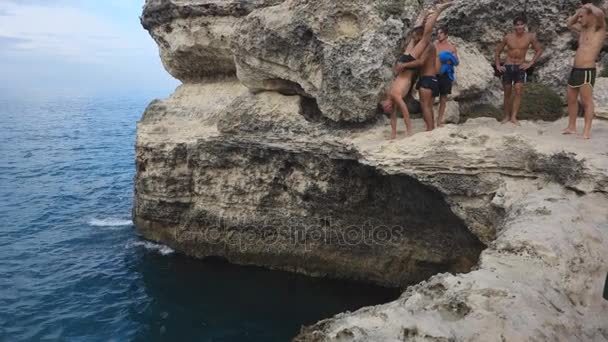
72,267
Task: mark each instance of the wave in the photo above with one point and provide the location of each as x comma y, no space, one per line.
110,222
151,246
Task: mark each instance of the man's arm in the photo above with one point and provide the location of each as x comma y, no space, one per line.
538,51
428,29
572,22
600,21
411,65
456,54
498,51
432,19
418,62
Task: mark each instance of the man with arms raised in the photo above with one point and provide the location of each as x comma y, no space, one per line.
589,22
514,71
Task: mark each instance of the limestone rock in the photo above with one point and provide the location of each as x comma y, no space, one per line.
338,52
532,283
194,36
263,182
556,71
600,96
451,114
474,75
499,231
494,18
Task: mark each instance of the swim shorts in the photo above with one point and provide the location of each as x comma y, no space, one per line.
514,74
407,58
445,84
429,82
579,77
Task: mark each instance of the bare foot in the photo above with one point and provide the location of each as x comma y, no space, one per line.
439,125
569,131
408,134
584,136
504,121
393,136
515,122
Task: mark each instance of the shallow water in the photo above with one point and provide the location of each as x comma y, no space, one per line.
73,267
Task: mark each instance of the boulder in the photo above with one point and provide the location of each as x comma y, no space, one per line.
474,75
451,114
338,52
194,36
600,96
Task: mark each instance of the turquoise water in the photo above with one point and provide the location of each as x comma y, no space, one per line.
73,267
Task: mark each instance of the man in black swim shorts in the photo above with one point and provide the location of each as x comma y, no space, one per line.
589,22
514,70
428,85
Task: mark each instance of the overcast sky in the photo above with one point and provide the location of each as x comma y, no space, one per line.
79,47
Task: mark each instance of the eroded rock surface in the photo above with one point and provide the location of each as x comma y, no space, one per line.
194,36
270,154
338,52
259,183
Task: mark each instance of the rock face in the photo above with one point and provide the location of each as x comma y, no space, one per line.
194,36
338,52
317,211
270,154
493,19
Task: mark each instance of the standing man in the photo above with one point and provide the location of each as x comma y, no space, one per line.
428,85
407,65
514,70
445,67
589,22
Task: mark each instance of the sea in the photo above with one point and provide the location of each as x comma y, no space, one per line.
73,267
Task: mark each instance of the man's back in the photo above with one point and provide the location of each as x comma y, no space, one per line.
429,67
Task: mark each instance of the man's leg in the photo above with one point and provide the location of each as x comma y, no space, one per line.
586,92
572,98
443,99
426,100
401,86
508,91
518,90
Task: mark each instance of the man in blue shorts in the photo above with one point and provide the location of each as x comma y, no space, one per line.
514,74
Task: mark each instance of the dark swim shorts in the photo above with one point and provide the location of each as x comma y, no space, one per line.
445,84
579,77
429,82
514,74
407,58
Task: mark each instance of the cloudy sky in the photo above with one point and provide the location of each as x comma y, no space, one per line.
77,47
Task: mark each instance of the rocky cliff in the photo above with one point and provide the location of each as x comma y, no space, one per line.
272,153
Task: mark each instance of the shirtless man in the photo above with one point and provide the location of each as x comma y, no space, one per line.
589,22
514,71
420,40
428,85
445,81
